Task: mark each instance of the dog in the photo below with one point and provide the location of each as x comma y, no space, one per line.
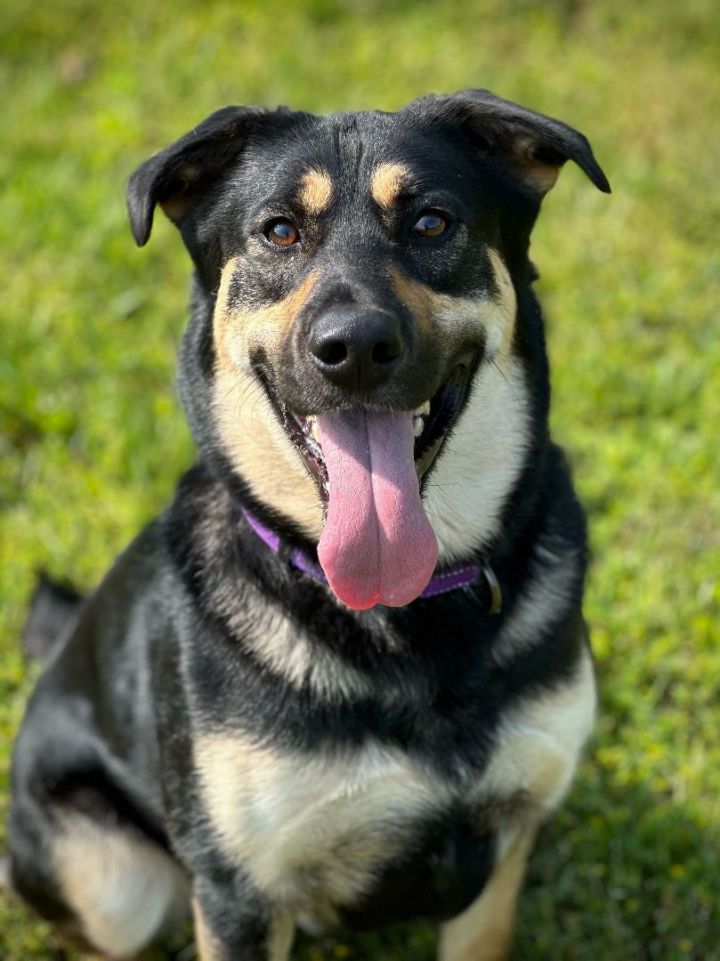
344,677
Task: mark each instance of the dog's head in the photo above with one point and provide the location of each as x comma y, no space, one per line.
365,351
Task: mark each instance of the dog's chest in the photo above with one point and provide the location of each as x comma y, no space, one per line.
317,832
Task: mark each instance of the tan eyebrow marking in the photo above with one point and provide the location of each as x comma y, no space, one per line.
316,191
387,182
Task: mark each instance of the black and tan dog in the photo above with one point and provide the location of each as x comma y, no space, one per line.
344,677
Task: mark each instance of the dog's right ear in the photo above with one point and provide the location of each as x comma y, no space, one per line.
534,147
176,176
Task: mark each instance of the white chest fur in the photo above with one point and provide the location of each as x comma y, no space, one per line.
313,832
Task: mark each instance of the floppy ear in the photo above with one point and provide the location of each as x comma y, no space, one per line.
177,175
533,145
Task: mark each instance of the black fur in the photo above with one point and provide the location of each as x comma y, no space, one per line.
163,651
54,610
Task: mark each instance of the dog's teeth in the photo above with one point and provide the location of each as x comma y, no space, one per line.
312,427
418,426
423,410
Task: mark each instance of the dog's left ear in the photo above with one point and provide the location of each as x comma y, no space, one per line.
534,146
178,175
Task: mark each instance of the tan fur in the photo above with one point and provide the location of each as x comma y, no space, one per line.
480,461
502,324
387,181
124,890
235,330
255,441
207,946
539,176
314,830
316,191
287,650
284,647
176,206
540,741
484,931
282,935
452,321
422,302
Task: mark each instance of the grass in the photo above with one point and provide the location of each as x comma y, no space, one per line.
92,440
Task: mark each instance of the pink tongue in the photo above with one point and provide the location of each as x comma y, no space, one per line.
377,546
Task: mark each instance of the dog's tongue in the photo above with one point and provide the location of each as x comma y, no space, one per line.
377,546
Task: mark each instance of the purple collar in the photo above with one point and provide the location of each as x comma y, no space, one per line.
442,582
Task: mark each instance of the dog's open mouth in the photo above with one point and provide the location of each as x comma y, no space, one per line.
431,423
377,545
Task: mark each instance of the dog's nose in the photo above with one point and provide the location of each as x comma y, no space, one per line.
356,349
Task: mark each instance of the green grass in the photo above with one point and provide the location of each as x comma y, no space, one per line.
92,439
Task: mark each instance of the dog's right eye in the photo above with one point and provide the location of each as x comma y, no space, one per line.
282,233
431,223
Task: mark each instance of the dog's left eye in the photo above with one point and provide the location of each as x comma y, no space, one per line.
431,223
282,233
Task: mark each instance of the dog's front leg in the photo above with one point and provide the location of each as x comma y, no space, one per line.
484,931
232,928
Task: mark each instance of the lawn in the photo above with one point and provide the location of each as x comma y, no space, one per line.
92,439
